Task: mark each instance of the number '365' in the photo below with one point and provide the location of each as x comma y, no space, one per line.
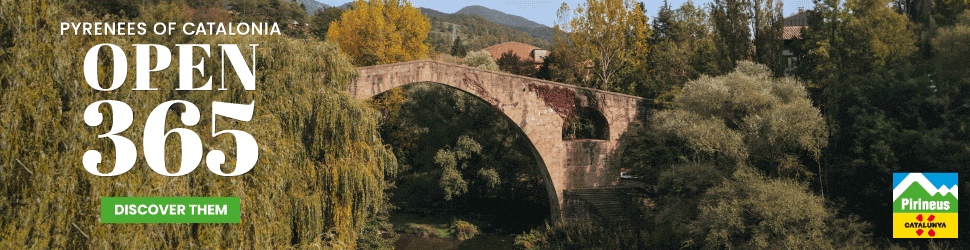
154,138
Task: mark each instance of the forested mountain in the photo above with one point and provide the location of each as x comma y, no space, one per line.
517,23
501,27
312,6
475,31
432,13
541,33
499,17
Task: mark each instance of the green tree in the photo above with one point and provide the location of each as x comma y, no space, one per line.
509,62
669,59
888,111
320,21
950,48
457,49
563,64
682,50
280,11
665,24
381,32
899,118
698,35
749,211
725,167
458,154
123,8
738,141
748,118
856,37
946,12
767,21
732,30
454,159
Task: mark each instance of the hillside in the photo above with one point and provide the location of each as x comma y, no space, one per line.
541,33
499,17
312,6
432,13
517,23
475,31
478,27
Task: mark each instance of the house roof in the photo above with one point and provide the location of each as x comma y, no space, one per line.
521,50
792,32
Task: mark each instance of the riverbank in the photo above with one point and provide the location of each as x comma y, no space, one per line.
433,232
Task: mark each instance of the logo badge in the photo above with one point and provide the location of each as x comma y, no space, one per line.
925,205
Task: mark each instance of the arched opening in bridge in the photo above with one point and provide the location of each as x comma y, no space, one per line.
586,123
461,158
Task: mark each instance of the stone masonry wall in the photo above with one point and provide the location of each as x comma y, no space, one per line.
538,107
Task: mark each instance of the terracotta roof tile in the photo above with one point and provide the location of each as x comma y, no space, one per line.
792,32
521,50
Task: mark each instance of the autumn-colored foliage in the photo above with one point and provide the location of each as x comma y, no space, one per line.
381,32
562,100
321,163
610,33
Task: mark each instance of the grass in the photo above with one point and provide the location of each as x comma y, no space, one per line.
439,226
410,223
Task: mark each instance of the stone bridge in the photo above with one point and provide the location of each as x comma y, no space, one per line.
539,108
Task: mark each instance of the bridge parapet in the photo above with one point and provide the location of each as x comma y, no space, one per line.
538,107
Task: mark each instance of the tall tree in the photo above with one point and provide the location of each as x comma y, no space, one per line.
610,33
280,11
509,62
381,32
457,49
682,50
855,37
886,113
951,49
563,64
767,21
732,30
665,23
320,21
729,162
946,12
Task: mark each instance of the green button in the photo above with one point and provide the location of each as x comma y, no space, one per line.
169,209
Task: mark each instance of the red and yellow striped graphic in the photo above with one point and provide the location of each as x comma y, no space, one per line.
925,225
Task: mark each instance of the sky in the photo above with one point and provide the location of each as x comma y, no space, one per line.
544,12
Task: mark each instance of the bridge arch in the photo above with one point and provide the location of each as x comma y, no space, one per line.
533,152
586,123
539,108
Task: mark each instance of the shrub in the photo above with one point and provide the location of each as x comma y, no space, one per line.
450,59
584,235
422,230
481,59
531,240
749,118
750,211
462,230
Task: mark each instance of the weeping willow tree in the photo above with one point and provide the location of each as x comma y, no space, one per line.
318,180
